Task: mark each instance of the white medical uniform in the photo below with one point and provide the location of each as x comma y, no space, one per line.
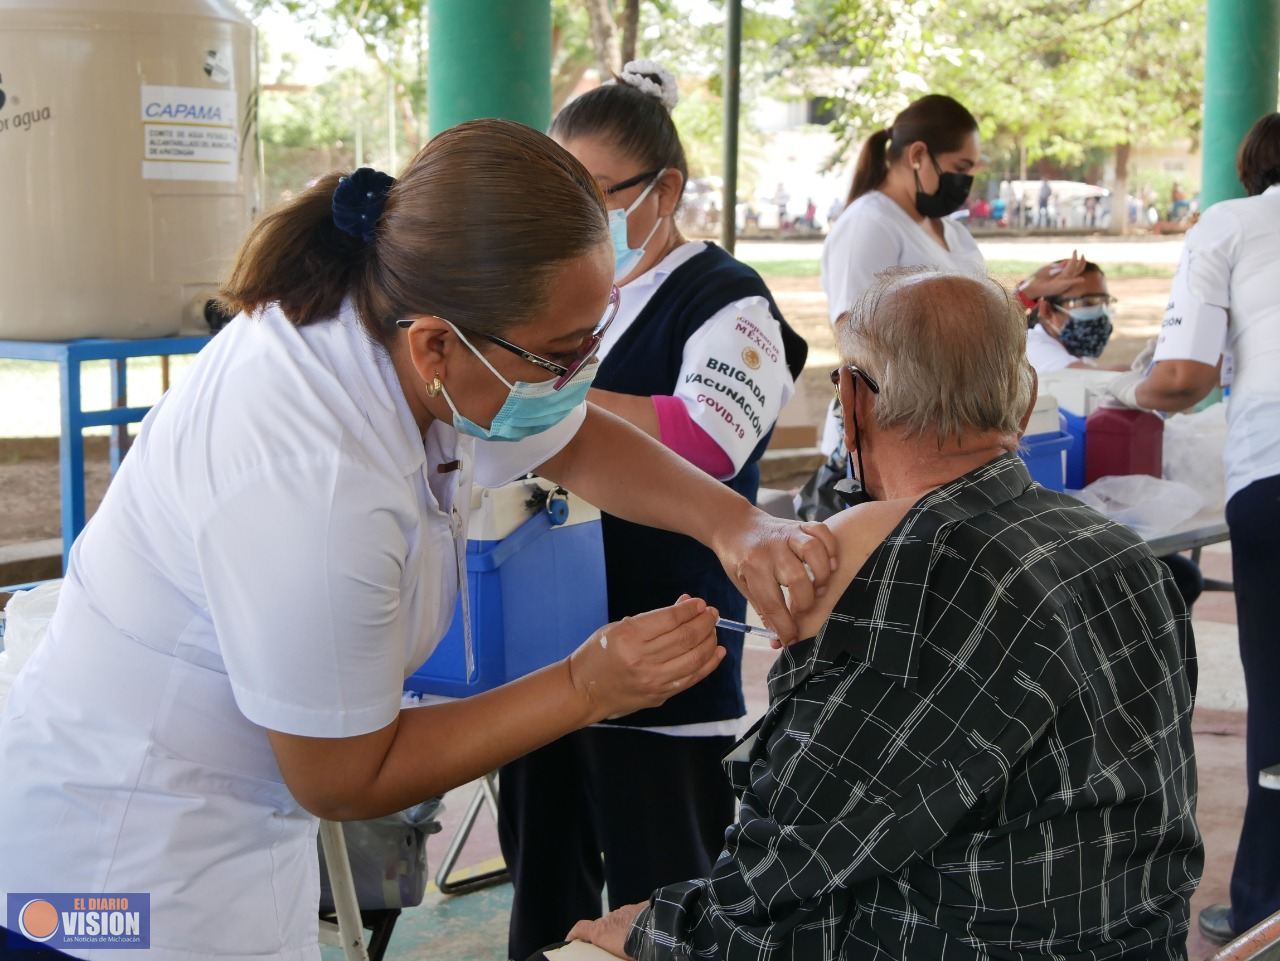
278,551
875,234
1226,303
1045,352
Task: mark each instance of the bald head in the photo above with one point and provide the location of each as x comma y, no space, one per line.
948,350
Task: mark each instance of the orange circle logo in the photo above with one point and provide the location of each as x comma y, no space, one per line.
38,920
751,357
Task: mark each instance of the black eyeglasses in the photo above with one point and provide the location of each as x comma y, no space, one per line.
857,373
564,373
631,182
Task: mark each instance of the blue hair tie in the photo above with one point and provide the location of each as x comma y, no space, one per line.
358,201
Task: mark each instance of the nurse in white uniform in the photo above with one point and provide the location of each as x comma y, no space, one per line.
282,548
1223,323
910,178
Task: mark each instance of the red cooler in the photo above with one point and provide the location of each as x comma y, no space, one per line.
1121,441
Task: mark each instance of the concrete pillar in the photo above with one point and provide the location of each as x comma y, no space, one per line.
1242,60
489,58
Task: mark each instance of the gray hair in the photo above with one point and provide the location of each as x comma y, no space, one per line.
949,352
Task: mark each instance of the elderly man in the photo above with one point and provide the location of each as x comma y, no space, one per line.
985,749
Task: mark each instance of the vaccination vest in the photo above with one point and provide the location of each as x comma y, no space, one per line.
647,568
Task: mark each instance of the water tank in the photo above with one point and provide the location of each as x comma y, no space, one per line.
129,162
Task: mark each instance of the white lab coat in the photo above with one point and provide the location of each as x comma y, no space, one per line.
1224,304
278,551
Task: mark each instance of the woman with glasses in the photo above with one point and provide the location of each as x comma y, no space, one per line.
700,359
1071,328
284,545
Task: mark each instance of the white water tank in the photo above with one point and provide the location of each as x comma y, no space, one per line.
129,163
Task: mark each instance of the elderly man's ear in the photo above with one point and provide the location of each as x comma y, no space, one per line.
847,396
1031,405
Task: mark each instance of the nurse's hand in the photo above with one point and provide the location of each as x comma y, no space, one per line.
764,554
642,661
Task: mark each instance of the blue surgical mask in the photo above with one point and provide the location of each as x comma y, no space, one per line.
530,408
1086,331
625,257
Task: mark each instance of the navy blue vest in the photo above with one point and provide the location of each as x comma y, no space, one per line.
647,568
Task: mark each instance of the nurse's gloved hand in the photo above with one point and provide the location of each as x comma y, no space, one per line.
642,661
765,554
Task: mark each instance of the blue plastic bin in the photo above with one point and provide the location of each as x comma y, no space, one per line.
536,595
1074,425
1045,457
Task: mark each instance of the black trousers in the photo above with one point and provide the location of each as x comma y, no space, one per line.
1254,518
624,808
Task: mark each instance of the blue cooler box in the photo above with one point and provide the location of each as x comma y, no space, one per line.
537,590
1046,457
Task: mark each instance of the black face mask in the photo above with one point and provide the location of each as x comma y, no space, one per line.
953,191
852,490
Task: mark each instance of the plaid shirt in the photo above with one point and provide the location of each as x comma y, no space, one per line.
985,753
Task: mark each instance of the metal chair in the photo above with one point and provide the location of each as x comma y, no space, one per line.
1261,942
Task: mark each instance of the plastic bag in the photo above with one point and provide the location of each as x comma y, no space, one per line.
26,621
1149,505
388,858
1193,446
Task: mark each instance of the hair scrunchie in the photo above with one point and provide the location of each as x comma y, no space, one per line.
653,79
358,201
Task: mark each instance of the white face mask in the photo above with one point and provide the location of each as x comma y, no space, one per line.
625,257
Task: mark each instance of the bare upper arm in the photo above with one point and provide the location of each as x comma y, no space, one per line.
858,531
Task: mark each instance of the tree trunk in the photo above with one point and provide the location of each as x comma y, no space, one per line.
1120,192
630,25
604,36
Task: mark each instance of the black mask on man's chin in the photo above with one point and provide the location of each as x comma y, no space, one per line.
852,490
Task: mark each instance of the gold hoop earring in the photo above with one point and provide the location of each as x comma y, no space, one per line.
434,388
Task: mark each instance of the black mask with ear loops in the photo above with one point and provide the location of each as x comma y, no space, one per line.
953,191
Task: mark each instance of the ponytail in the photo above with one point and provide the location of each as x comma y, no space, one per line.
297,257
941,122
873,165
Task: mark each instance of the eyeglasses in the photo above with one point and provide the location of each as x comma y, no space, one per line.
1082,300
857,372
589,347
622,185
564,373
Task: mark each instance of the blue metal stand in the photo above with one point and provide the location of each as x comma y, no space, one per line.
69,355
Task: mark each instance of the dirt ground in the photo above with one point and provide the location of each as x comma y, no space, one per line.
29,504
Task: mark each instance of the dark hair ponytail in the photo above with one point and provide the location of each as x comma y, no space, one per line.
296,256
872,166
485,208
940,121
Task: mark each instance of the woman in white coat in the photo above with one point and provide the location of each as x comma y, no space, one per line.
1223,324
910,178
283,546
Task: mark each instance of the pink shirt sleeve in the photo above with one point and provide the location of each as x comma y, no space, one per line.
677,430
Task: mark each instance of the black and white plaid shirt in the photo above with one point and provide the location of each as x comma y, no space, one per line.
985,753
